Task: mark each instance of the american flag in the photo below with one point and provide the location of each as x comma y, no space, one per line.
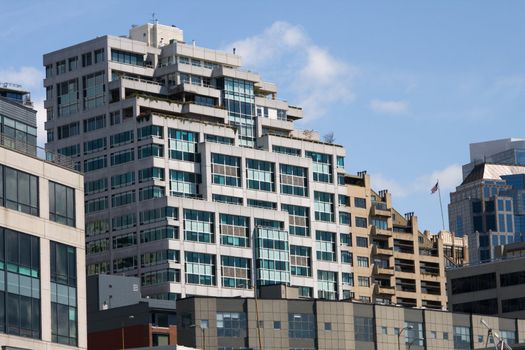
435,188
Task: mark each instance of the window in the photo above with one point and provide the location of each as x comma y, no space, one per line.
160,339
123,198
72,63
153,173
260,175
473,283
361,242
121,138
68,130
325,244
340,162
364,329
235,230
67,98
63,294
272,252
362,261
123,222
218,139
380,223
200,268
226,170
87,59
150,131
99,56
361,222
236,272
123,180
254,203
127,57
94,90
95,123
359,202
324,206
345,218
151,192
414,333
96,186
121,157
70,151
327,285
276,324
328,326
19,284
94,145
61,204
95,163
231,324
61,67
158,233
345,239
286,150
183,145
363,281
294,180
18,190
159,257
199,226
299,223
346,257
348,278
300,260
322,166
301,326
344,201
184,184
461,337
124,240
227,199
160,276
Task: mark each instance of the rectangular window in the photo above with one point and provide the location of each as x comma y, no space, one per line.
360,202
231,324
346,257
254,203
184,184
345,218
199,226
135,59
226,170
227,199
99,56
301,260
124,240
260,175
183,145
150,131
362,261
67,98
346,239
159,257
325,244
148,174
96,204
363,281
94,90
324,206
200,268
151,192
123,180
72,63
121,138
361,242
272,252
299,219
158,233
124,221
322,166
95,123
235,272
235,230
87,59
121,157
96,186
63,294
462,338
286,150
68,130
158,214
327,284
348,278
344,201
151,150
218,139
70,151
94,145
19,191
361,222
61,204
294,180
364,329
123,198
301,326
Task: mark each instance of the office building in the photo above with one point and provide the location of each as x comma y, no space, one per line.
494,288
119,318
42,251
198,183
278,321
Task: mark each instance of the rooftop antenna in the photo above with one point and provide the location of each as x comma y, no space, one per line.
499,342
154,18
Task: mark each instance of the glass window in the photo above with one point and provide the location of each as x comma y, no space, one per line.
235,230
294,180
300,260
231,324
325,244
327,285
236,272
301,325
322,166
200,268
364,329
462,337
199,226
324,206
61,204
226,170
183,145
299,219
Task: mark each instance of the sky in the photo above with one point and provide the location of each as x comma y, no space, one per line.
405,86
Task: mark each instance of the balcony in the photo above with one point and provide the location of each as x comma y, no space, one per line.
380,232
380,210
378,250
389,290
379,270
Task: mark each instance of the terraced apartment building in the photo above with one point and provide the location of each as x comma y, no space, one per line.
197,181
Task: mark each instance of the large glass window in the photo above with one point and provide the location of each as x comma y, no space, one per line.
199,226
462,337
235,230
226,170
94,90
414,333
61,204
235,272
183,145
239,100
231,324
364,328
18,190
327,284
260,175
184,184
294,180
19,284
200,268
324,206
272,253
67,98
325,243
301,326
63,294
299,223
301,260
322,166
136,59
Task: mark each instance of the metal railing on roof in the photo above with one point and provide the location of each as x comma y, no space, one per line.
36,152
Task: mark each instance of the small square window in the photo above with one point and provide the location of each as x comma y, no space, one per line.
327,326
433,334
480,339
396,331
384,330
445,335
276,324
261,324
204,324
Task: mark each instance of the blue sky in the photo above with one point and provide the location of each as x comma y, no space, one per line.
404,85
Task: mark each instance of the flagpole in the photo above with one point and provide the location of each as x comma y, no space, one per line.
441,207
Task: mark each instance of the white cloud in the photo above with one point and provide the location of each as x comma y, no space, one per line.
449,178
389,107
29,77
315,78
38,105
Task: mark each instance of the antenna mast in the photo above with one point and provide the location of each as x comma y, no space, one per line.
499,342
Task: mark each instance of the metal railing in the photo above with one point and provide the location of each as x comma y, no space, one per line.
140,80
36,152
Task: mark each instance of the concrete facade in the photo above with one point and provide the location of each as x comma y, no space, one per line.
47,231
316,324
198,183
